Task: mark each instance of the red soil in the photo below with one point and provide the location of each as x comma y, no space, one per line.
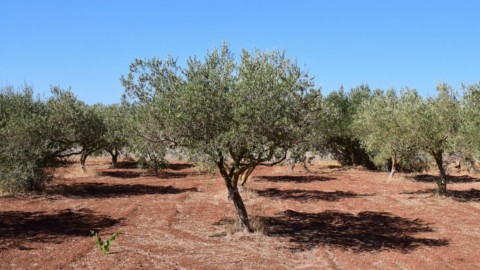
328,219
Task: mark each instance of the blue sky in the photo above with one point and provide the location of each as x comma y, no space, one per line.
88,45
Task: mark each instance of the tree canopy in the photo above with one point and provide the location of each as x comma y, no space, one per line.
383,123
338,137
234,115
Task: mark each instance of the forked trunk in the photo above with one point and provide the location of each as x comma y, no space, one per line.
114,153
442,182
231,181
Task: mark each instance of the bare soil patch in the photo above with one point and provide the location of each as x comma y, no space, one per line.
329,218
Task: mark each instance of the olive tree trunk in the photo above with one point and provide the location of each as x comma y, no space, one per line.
114,154
443,180
83,158
394,165
234,195
231,181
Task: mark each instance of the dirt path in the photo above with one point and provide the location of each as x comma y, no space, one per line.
328,219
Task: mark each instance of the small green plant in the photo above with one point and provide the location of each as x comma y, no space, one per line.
105,245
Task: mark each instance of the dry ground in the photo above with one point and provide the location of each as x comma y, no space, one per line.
328,219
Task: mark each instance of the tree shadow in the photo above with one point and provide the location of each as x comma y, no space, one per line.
296,178
17,229
307,195
100,190
179,166
428,178
129,174
471,195
430,191
171,175
121,174
126,165
364,232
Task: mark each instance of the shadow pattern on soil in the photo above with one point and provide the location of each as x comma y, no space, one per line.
128,174
121,174
100,190
427,178
471,195
171,175
295,178
180,166
308,195
364,232
19,228
126,165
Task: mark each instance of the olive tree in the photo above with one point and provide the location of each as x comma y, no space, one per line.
116,122
74,127
435,125
383,125
469,135
235,115
23,134
338,137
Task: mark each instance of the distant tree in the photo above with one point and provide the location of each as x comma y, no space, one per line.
435,125
234,116
75,127
148,138
338,136
117,133
383,125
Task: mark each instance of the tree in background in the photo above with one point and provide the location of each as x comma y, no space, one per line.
339,139
75,127
147,84
116,120
435,125
236,116
383,124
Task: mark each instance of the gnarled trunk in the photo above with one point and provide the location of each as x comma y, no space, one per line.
442,182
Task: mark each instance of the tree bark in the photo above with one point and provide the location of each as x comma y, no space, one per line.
83,158
246,175
442,182
114,160
114,154
394,165
240,208
231,181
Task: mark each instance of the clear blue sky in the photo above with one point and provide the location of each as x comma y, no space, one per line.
88,45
